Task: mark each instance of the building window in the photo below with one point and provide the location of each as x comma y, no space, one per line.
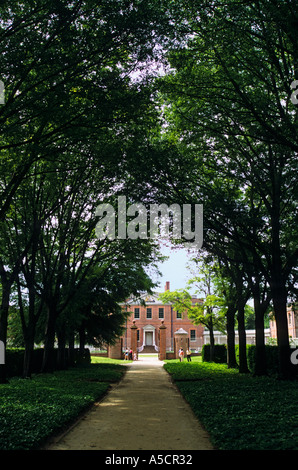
137,313
161,313
192,335
149,312
179,315
138,335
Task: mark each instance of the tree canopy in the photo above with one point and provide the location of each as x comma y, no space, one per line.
72,112
86,118
230,140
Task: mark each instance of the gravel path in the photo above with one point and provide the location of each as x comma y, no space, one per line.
145,411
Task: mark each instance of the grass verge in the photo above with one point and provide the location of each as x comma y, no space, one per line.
239,411
34,409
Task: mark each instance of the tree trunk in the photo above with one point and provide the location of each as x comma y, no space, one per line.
212,342
48,363
260,360
27,369
231,354
61,358
278,288
28,329
6,287
29,336
82,334
243,367
71,352
286,369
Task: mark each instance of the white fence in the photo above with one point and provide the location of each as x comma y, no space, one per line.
221,338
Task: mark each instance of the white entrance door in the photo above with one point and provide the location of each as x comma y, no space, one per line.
149,338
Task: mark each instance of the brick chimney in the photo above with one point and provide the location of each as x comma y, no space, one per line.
167,286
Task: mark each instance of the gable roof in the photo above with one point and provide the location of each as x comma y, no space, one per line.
149,299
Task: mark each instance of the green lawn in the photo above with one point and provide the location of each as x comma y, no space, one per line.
240,412
33,409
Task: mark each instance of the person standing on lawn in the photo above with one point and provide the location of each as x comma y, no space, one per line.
181,355
188,355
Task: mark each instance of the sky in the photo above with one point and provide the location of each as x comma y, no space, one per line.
174,269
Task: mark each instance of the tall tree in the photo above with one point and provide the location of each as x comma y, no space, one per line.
232,131
69,102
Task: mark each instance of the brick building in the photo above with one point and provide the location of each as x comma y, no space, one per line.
148,313
292,317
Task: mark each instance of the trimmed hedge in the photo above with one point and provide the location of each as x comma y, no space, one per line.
271,357
14,360
221,356
220,353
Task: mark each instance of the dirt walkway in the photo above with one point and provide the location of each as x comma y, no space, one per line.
145,411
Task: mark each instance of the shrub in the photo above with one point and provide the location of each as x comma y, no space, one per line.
14,360
271,358
220,353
